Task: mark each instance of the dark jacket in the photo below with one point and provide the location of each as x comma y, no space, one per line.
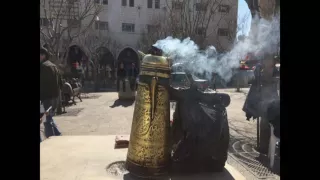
50,81
121,73
262,91
133,72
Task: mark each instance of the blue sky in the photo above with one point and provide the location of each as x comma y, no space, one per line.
244,17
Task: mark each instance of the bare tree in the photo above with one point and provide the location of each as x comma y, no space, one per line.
92,41
95,43
242,23
182,19
62,21
157,29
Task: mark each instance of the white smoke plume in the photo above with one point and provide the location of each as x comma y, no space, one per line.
264,38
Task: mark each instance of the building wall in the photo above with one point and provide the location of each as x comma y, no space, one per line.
268,7
116,14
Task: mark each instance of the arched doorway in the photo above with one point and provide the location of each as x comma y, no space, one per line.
76,59
106,62
76,54
89,70
128,56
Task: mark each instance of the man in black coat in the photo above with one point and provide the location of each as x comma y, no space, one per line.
263,91
121,76
133,74
50,84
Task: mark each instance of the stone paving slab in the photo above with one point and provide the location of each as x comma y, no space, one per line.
106,116
100,117
87,158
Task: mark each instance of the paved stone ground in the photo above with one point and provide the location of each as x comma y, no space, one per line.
105,116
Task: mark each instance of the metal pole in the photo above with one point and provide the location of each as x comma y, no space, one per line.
258,118
238,81
258,133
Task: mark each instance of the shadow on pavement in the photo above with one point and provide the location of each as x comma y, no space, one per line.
124,103
225,175
101,90
118,169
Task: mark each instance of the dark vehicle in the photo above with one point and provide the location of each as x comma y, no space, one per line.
244,75
183,79
245,71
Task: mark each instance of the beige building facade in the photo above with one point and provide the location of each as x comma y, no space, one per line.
126,21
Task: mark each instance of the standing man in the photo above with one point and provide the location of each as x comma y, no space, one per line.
262,92
50,84
133,77
121,76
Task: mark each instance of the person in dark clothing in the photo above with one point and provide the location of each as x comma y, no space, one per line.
50,84
262,92
42,115
133,73
121,76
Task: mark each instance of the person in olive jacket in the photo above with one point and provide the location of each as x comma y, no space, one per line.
50,84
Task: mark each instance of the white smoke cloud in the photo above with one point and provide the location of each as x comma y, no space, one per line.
263,38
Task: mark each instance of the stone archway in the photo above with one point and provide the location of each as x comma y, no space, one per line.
106,63
76,54
127,56
76,58
105,57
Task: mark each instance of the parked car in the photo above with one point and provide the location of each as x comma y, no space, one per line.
246,70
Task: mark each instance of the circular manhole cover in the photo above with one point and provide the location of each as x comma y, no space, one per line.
117,168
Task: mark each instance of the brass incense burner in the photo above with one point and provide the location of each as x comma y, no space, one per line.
149,147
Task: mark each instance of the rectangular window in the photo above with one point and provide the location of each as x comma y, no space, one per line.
105,2
201,7
44,22
223,32
72,1
176,5
124,2
97,1
224,8
152,28
200,31
127,27
131,3
150,3
74,23
101,25
157,4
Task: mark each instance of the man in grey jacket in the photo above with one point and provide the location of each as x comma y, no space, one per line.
50,84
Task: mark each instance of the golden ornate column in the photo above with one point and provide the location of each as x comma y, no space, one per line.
149,151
